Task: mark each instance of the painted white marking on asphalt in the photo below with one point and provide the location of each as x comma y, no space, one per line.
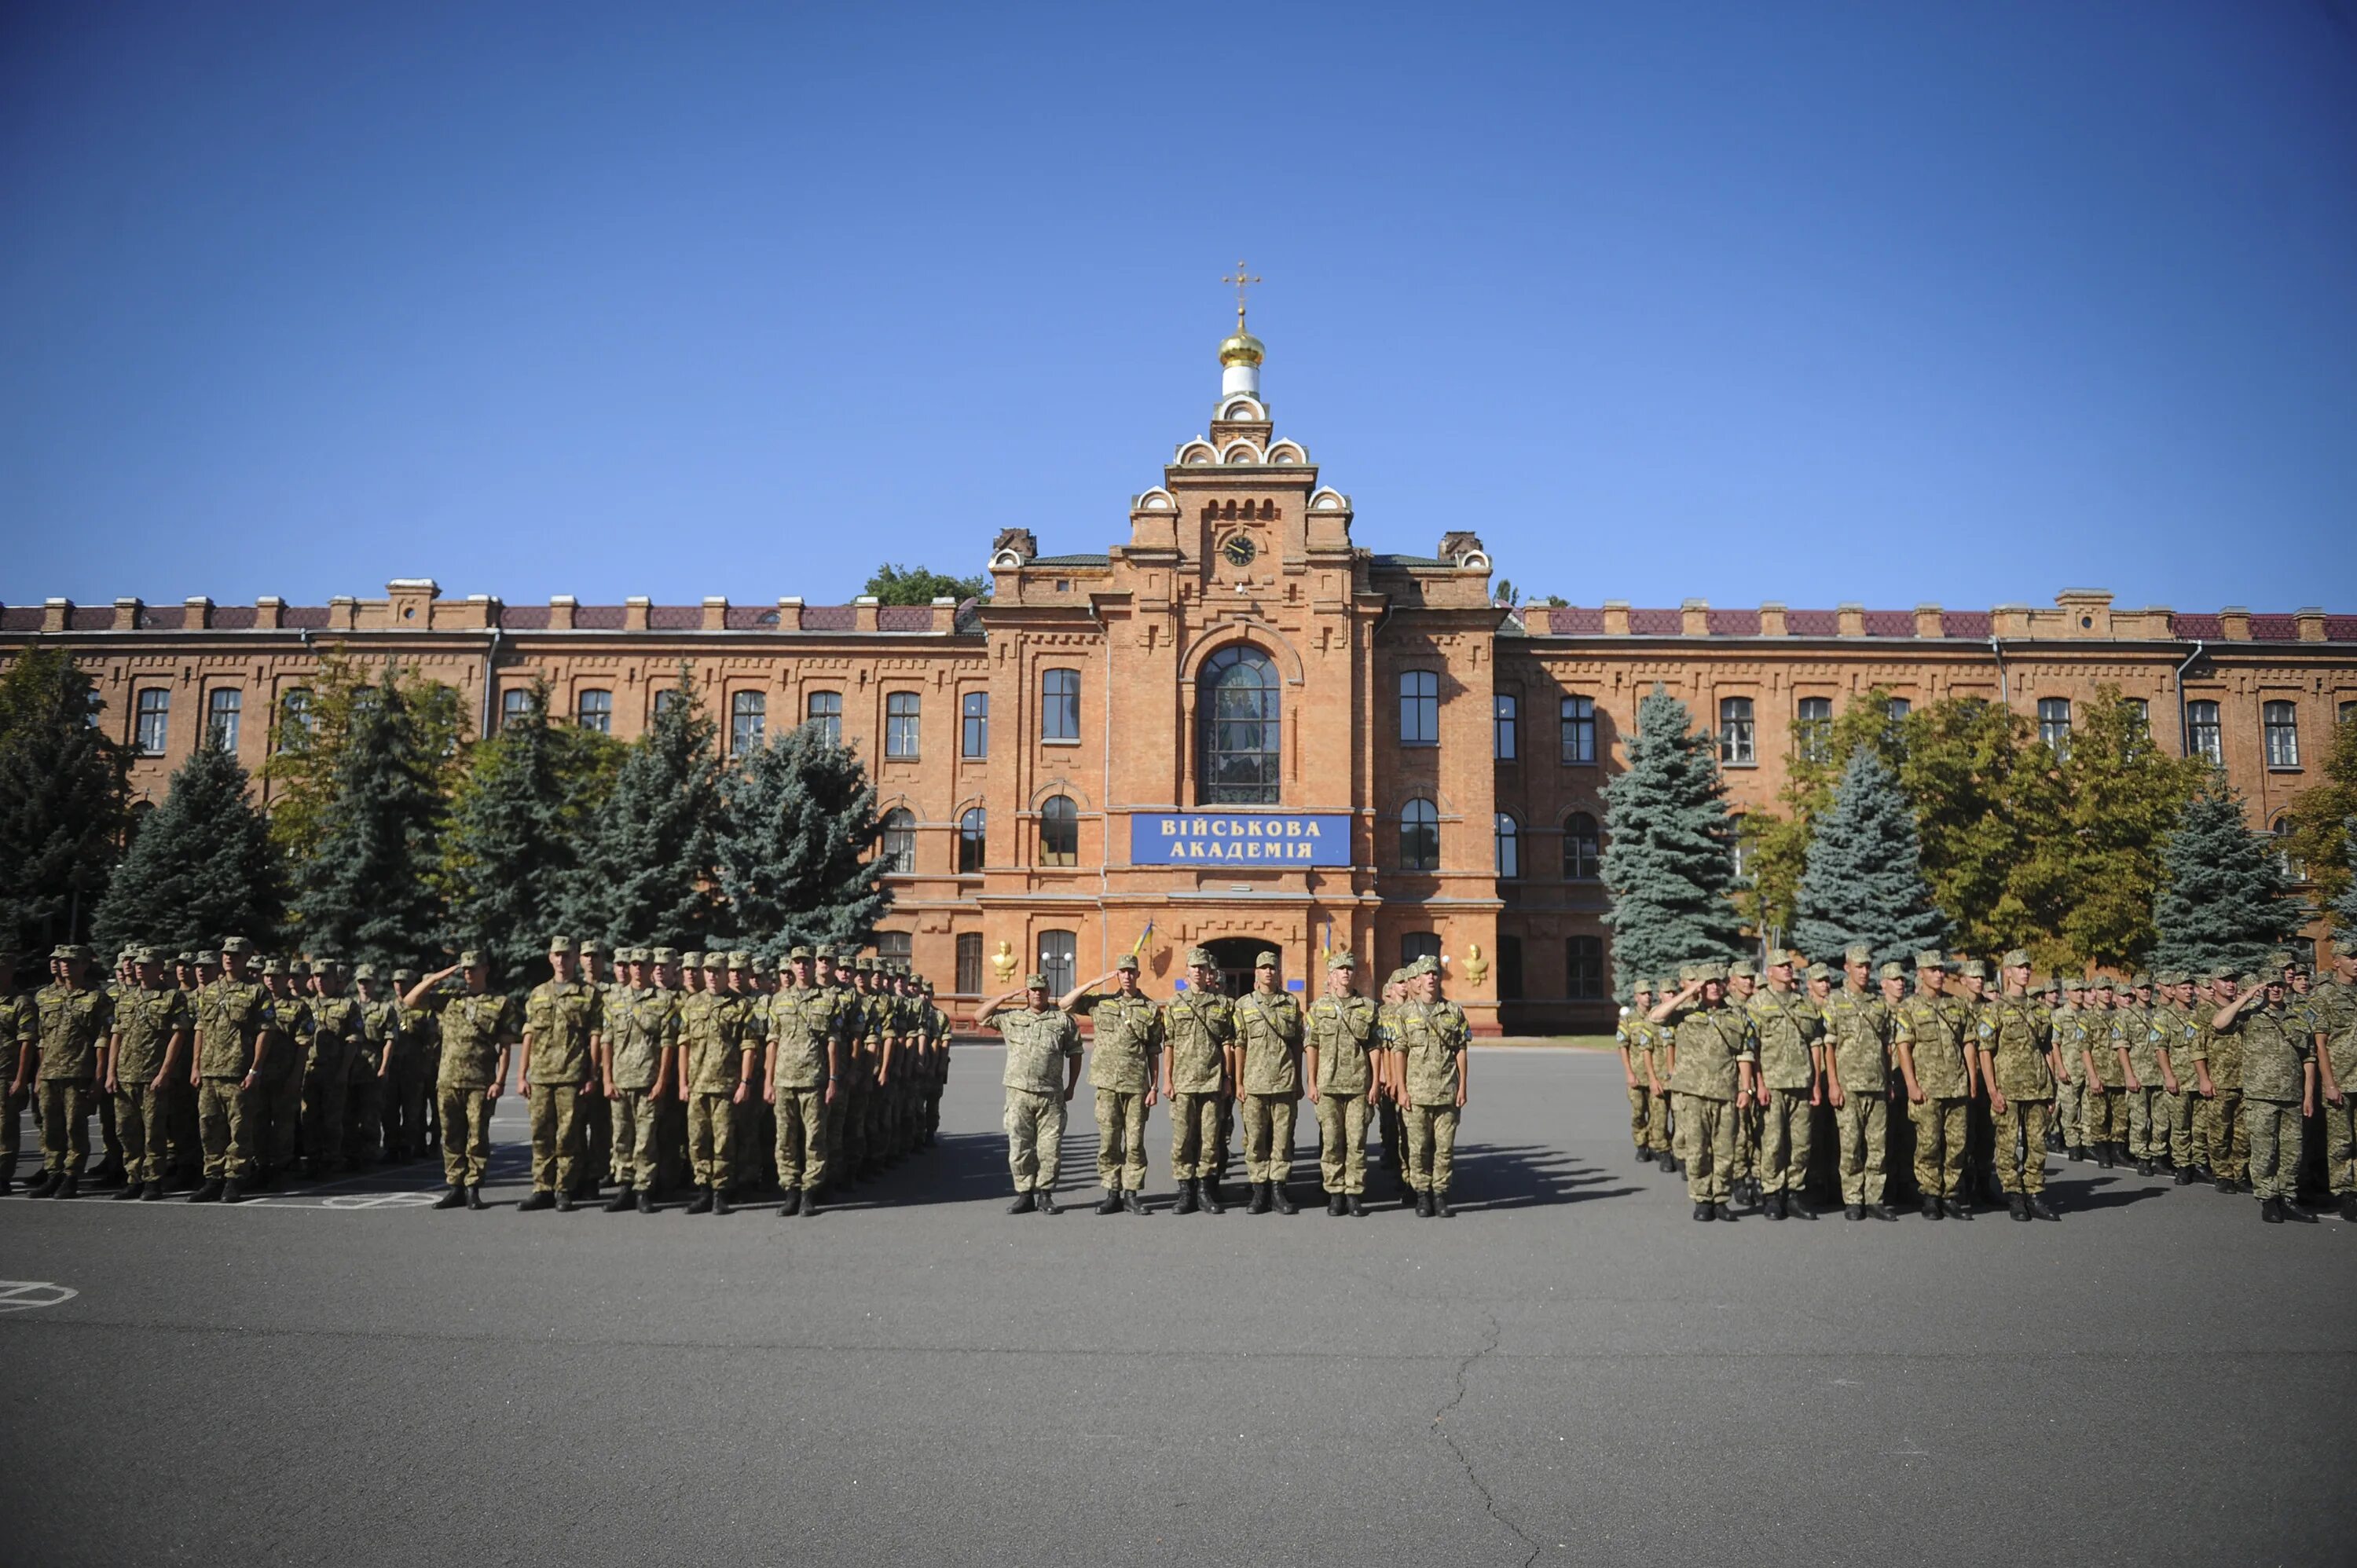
28,1295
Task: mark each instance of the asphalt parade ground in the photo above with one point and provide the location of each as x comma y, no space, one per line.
1571,1371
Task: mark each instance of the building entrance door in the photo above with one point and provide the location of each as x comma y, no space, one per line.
1235,958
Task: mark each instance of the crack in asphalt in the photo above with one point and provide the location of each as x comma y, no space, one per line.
1464,1460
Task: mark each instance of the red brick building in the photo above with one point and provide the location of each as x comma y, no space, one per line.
1239,724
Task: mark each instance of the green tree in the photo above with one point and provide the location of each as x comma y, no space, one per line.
794,840
201,867
518,819
2224,900
64,796
1669,857
2321,818
2092,873
1977,780
1864,881
304,774
918,586
2345,909
366,891
1776,844
647,859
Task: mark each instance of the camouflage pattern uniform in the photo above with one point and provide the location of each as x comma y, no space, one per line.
1268,1033
1858,1043
276,1103
560,1019
20,1035
1932,1029
231,1016
2276,1057
803,1020
640,1027
1631,1037
1708,1042
336,1026
146,1019
75,1021
1786,1026
711,1050
1432,1037
2335,1004
2146,1108
2015,1035
1196,1027
1038,1047
1341,1029
2225,1136
1661,1121
2171,1032
1124,1054
476,1029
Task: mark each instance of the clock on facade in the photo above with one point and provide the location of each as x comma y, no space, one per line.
1240,550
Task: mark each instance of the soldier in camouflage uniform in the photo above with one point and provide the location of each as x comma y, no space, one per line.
1341,1047
20,1035
1043,1068
1661,1125
938,1079
1742,982
1971,990
2278,1082
2225,1136
365,1111
1197,1025
479,1028
2070,1072
2171,1039
234,1038
337,1026
595,1116
1928,1038
1389,1095
716,1066
2335,1004
1433,1044
1787,1028
2016,1043
1631,1038
755,979
563,1020
2103,1107
1711,1043
413,1062
274,1106
638,1041
1268,1070
1857,1082
75,1021
807,1045
1125,1060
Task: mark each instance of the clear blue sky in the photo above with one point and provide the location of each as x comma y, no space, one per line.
1964,303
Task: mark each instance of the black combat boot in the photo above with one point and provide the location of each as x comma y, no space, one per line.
475,1197
1881,1211
1424,1205
1207,1193
1930,1206
1773,1206
1440,1209
2103,1155
2184,1177
565,1201
2348,1206
623,1199
1023,1204
69,1188
2017,1206
1353,1207
2041,1209
233,1191
1045,1201
41,1185
792,1205
647,1200
210,1192
536,1202
703,1203
1334,1205
1186,1204
2271,1211
1957,1209
1853,1211
130,1190
2079,1153
1723,1211
1797,1207
2144,1168
1703,1211
809,1203
720,1204
151,1192
1110,1203
1259,1204
1131,1202
1282,1198
2225,1184
2292,1211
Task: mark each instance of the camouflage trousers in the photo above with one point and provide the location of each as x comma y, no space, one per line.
12,1128
1194,1130
1743,1160
1786,1127
711,1137
2105,1115
2068,1101
1863,1121
1938,1122
1657,1121
1342,1141
2225,1136
1121,1140
327,1090
2148,1123
1640,1114
634,1114
66,1105
2021,1144
555,1136
2277,1139
225,1129
277,1111
2183,1110
2341,1142
1707,1144
1268,1136
1035,1136
1431,1147
141,1115
801,1138
466,1116
1394,1128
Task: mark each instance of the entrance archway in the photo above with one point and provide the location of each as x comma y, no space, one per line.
1235,958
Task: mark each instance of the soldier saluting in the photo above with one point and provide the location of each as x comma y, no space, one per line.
1122,1067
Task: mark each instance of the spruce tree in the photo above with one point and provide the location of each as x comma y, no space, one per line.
201,867
2345,909
1669,858
1864,882
64,796
794,842
646,860
365,893
2224,900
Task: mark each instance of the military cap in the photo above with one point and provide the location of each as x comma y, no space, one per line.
560,943
2345,948
1267,959
298,966
146,955
1343,958
471,959
2016,958
692,959
763,964
207,958
1786,956
798,953
129,954
2102,982
663,955
274,966
2171,977
72,951
2282,958
236,944
2042,986
1127,963
2252,981
1974,968
2143,979
712,961
740,958
1857,953
1202,957
589,944
1742,968
404,974
1821,972
1930,960
1428,964
1706,972
364,972
1035,983
184,958
2298,966
1894,970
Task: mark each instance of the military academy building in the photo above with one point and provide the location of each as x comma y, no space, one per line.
1239,725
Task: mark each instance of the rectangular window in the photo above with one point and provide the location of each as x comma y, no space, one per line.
2348,712
969,963
515,702
1415,945
1510,969
899,841
893,945
1579,731
1056,961
2202,738
748,721
1812,729
825,710
2140,716
223,706
1897,709
594,709
1507,723
2281,723
901,713
972,837
1583,968
1735,733
666,699
1510,847
293,716
2054,724
1059,704
1419,707
155,711
974,725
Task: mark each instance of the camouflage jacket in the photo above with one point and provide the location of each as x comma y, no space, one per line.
1934,1029
1786,1024
2275,1053
640,1024
1128,1039
1434,1035
1709,1042
473,1030
2016,1035
336,1026
560,1016
1857,1040
1037,1045
1342,1030
73,1024
1197,1027
146,1019
1268,1028
229,1016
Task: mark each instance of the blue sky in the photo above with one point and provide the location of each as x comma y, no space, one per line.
1810,303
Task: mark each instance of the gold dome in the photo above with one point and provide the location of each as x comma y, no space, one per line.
1243,349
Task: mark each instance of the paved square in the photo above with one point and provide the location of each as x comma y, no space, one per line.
1570,1371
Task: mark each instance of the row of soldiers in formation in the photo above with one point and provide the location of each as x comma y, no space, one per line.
233,1073
1216,1061
2212,1075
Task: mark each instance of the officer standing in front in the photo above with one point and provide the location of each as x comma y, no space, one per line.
1124,1059
479,1031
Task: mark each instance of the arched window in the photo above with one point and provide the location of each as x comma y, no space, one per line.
1237,721
970,840
1419,836
899,840
1583,848
1060,831
1510,846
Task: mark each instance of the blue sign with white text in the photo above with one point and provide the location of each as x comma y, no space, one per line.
1239,838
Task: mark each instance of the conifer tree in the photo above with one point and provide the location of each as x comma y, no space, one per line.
1669,851
2224,901
63,800
1864,882
2345,909
366,892
201,867
794,842
647,859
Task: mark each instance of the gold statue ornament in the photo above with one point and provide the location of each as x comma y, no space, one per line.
1003,961
1475,966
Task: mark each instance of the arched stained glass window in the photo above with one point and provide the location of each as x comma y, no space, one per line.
1238,725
